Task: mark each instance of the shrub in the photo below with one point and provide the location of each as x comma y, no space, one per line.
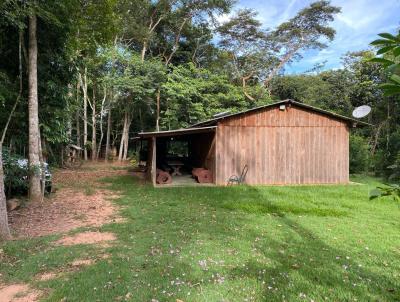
359,154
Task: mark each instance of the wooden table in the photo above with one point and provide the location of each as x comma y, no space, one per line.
176,166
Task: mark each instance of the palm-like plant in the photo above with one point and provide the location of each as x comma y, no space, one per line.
388,55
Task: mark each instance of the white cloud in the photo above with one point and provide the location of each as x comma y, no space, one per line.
356,26
361,14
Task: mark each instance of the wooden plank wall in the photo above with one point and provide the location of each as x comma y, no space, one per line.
294,146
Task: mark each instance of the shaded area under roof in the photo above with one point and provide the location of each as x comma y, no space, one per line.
177,132
214,121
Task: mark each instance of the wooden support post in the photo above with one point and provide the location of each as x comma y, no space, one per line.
154,161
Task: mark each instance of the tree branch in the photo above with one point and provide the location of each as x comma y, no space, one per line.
177,39
244,80
286,58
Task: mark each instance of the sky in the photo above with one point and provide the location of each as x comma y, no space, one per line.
356,26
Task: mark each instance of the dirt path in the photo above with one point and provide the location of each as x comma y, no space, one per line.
80,200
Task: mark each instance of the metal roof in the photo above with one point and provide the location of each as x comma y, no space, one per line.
214,121
177,132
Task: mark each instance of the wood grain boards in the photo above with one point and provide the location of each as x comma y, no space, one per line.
294,146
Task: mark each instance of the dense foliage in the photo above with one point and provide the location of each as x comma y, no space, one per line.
111,68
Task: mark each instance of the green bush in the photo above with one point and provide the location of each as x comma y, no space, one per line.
359,154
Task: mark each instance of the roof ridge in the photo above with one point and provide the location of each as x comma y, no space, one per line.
290,101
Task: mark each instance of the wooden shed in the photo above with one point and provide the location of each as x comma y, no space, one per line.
282,143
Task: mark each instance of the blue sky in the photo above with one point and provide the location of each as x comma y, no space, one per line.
358,24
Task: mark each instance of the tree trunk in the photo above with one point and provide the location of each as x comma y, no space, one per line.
78,126
176,43
94,138
144,49
126,141
122,143
108,134
152,27
4,229
244,82
286,58
85,103
78,129
34,162
101,121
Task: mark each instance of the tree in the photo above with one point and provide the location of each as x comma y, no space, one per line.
160,27
33,110
258,54
306,30
195,94
95,25
245,41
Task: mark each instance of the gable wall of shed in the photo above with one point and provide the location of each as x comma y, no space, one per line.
294,146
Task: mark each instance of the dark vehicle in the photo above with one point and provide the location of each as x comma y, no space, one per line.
16,175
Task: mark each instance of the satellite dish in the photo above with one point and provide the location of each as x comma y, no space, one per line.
361,111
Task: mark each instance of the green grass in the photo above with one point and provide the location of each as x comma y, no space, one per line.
294,243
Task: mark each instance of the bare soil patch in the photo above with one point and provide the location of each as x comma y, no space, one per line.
18,293
80,201
71,267
82,262
87,238
47,276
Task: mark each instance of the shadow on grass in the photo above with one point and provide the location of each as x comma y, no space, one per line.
302,259
224,244
301,264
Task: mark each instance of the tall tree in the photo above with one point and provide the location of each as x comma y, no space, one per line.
33,111
307,30
245,41
95,25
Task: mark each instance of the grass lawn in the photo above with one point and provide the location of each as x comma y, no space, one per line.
294,243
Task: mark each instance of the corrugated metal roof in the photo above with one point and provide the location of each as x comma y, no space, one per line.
177,132
214,121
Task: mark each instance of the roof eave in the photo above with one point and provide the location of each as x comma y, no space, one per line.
178,132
